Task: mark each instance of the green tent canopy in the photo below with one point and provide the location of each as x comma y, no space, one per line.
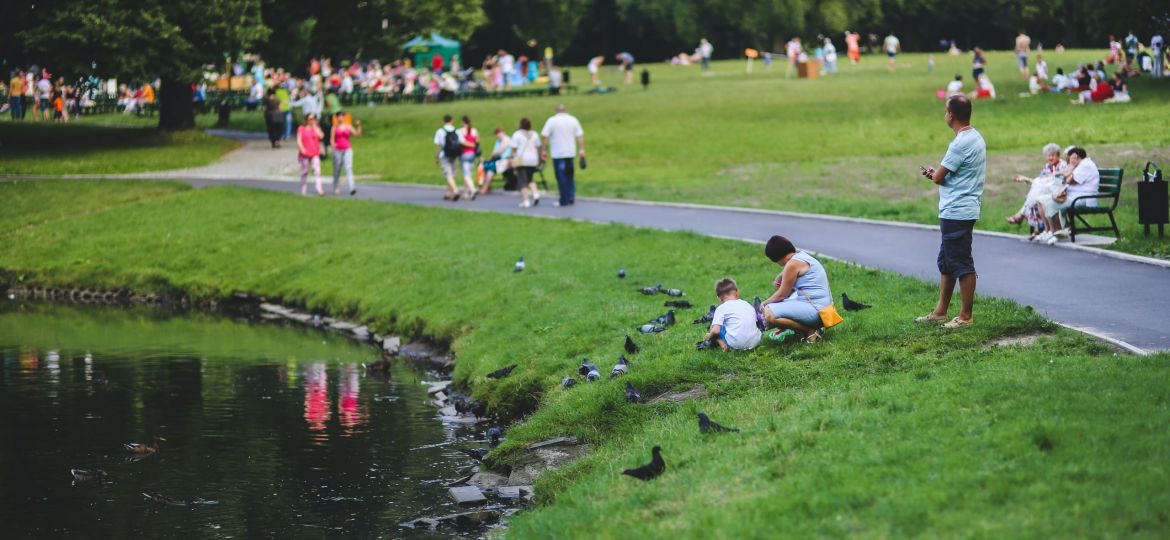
421,49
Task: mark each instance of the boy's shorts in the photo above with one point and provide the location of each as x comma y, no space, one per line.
954,252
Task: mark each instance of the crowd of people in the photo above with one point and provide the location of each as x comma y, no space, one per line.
1087,83
34,91
458,150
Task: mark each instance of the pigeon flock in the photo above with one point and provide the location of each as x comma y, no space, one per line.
659,324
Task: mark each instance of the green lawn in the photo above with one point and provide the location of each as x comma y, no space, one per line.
885,429
847,144
89,148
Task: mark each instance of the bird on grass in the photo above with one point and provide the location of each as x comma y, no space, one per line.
650,470
707,425
851,305
704,345
649,291
519,265
673,292
651,329
493,435
666,319
631,347
177,501
632,394
710,316
143,450
681,304
589,370
476,453
621,273
620,367
568,382
81,476
502,372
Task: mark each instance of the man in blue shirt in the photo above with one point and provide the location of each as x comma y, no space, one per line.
960,179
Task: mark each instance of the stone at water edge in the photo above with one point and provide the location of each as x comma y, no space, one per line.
448,411
466,495
484,479
438,386
391,345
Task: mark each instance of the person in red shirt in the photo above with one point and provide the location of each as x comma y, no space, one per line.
309,152
437,63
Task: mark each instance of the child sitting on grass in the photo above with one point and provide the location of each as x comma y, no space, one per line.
734,322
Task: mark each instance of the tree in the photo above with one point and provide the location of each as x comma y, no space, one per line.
144,39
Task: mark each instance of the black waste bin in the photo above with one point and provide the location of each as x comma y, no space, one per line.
1153,207
225,114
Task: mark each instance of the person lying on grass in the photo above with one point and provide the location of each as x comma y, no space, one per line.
802,290
734,323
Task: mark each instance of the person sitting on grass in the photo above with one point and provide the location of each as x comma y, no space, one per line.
1120,89
802,290
733,325
1097,92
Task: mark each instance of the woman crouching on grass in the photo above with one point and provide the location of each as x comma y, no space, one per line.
802,290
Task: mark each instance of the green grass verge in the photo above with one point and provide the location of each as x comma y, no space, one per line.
84,148
885,429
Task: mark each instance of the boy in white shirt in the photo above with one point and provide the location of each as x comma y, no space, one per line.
734,323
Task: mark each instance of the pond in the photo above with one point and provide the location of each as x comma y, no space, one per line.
278,428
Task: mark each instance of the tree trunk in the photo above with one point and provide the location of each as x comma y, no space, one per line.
176,108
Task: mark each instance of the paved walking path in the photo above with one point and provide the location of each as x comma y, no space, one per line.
1126,301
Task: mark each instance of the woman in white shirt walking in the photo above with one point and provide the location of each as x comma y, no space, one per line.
525,160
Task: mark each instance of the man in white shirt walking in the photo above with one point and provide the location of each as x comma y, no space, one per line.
564,140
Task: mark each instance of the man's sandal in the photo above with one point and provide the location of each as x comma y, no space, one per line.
931,318
958,323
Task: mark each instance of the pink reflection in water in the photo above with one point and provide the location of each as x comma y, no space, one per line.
353,415
317,407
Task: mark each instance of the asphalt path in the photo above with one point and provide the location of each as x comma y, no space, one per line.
1121,300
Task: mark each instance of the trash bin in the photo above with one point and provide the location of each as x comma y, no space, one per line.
807,69
225,114
1153,205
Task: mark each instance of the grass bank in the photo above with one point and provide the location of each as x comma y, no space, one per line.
85,148
887,428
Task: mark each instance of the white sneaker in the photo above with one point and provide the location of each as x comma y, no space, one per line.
1051,240
1063,232
525,204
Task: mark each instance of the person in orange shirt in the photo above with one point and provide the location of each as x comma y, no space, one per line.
147,93
58,107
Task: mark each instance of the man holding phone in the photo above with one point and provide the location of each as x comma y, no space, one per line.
960,179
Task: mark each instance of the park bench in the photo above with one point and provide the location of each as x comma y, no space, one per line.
1107,197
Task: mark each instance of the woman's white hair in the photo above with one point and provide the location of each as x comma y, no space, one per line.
1051,148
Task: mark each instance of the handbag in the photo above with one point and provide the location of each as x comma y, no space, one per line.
1061,196
517,161
828,314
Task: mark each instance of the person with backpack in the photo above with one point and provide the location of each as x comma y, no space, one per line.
448,149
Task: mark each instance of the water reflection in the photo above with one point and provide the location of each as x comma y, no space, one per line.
247,414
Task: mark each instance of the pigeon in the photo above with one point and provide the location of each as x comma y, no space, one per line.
632,394
586,366
620,367
706,425
756,303
568,382
681,304
631,347
710,316
649,291
651,329
476,453
87,475
519,265
851,305
502,372
493,435
649,470
759,316
704,345
666,319
621,273
177,501
673,292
